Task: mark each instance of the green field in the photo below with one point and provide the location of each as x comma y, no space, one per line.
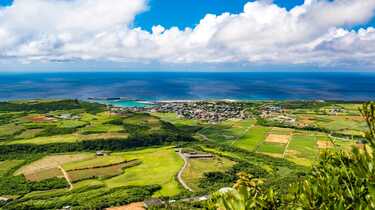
10,129
41,141
68,138
303,146
28,134
7,165
94,162
272,148
102,172
227,131
197,167
252,138
50,163
71,123
159,166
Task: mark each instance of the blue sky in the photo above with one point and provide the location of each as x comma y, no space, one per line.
187,13
37,54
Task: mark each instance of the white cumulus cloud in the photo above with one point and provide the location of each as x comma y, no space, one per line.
264,33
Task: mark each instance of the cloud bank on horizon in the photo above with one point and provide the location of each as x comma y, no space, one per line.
315,33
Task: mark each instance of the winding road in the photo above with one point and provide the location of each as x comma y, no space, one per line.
179,175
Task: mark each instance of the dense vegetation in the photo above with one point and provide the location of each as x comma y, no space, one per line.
261,175
47,106
340,180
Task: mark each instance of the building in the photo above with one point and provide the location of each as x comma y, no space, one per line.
103,153
153,203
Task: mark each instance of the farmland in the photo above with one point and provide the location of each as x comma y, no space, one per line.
161,172
60,153
198,167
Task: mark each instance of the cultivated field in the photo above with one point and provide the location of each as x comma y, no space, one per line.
197,167
48,166
253,137
159,166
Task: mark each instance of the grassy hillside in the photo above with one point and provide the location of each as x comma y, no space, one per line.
48,150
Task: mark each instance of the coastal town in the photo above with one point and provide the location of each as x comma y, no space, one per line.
210,111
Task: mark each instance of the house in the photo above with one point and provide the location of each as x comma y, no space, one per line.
197,155
102,153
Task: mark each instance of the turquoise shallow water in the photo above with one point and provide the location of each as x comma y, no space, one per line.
126,103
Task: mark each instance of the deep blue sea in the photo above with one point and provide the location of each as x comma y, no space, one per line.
180,86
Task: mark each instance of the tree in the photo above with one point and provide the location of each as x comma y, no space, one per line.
245,194
340,180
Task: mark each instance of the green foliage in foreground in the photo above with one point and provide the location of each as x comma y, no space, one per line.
340,180
87,199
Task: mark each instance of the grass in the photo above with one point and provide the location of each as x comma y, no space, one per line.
71,124
346,124
227,131
303,146
218,133
88,183
271,148
159,166
252,138
7,165
103,136
102,128
10,129
28,134
95,162
68,138
197,167
44,174
52,161
102,172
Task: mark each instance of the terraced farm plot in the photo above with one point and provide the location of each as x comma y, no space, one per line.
90,183
10,129
71,124
197,167
103,136
94,162
281,131
252,138
277,138
37,118
303,146
7,165
346,124
68,138
28,134
44,174
273,149
101,128
49,164
101,172
219,133
159,166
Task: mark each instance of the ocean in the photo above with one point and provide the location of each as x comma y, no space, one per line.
155,86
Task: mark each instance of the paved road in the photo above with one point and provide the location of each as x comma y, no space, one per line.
179,175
